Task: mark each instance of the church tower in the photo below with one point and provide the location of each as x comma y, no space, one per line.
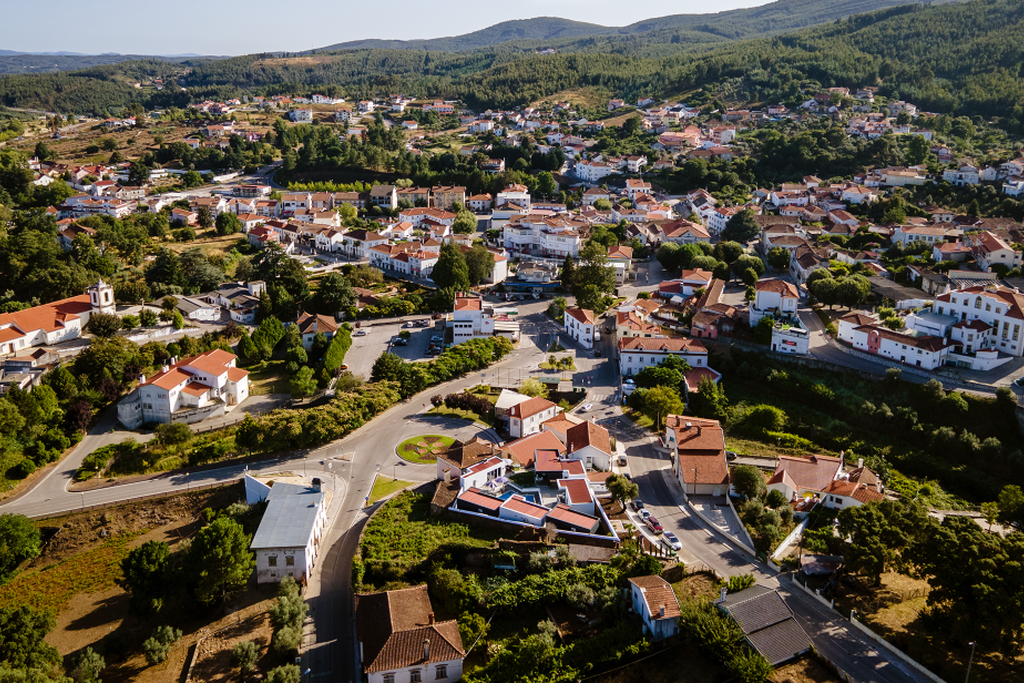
101,297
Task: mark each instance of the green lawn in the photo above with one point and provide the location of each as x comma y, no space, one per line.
424,449
384,486
548,366
484,420
268,377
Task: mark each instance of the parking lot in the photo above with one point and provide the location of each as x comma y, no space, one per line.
366,348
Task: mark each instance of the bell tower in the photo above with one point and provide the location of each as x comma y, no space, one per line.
101,297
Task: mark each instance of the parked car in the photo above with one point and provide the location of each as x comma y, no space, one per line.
400,341
645,513
597,353
585,407
654,525
672,540
360,333
409,324
730,455
637,504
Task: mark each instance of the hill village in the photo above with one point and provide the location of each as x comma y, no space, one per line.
921,291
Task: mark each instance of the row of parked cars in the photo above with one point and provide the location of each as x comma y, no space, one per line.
654,525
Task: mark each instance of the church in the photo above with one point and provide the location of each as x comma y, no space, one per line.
54,322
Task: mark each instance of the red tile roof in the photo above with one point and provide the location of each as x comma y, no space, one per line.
520,505
665,344
563,513
813,473
392,627
196,388
582,314
658,593
588,434
530,407
522,450
48,317
478,497
577,491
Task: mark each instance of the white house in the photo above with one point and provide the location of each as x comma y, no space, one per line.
579,324
698,455
186,391
637,353
989,250
773,297
964,175
923,351
654,600
998,306
525,418
301,115
288,539
53,322
590,444
400,640
310,325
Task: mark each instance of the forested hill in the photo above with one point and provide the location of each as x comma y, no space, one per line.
774,17
14,63
962,58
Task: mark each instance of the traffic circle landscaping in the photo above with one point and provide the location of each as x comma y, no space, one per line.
424,449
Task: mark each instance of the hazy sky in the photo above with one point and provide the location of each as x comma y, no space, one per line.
216,27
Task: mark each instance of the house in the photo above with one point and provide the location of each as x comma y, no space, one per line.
579,324
525,418
445,197
590,444
655,602
196,308
637,353
796,477
471,463
523,452
186,391
310,325
852,489
767,623
400,641
357,243
53,322
684,232
698,455
384,196
240,299
774,297
919,350
287,541
964,175
686,284
998,306
989,250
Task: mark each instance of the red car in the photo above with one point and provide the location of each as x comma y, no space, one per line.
654,525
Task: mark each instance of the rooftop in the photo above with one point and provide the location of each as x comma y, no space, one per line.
290,517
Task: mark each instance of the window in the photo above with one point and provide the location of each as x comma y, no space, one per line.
441,672
988,307
290,561
389,678
272,561
415,676
977,302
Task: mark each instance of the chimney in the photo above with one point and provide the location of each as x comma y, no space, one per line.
860,463
316,483
661,611
426,649
166,368
430,618
689,425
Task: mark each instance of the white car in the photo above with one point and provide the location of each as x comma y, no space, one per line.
585,407
672,540
359,333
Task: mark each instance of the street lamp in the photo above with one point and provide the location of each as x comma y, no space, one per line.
394,471
970,661
694,482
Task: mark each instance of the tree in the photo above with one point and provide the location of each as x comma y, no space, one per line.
19,541
146,572
480,261
990,512
763,330
764,418
88,666
177,320
533,387
779,258
244,655
157,646
657,403
22,631
303,384
748,481
138,173
204,217
227,223
191,179
451,270
103,324
853,290
173,434
568,276
1011,504
741,228
333,294
388,367
546,185
289,673
710,401
465,223
622,489
220,559
593,278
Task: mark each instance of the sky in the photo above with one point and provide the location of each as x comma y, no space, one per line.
217,27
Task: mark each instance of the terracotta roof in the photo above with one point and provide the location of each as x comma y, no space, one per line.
858,319
48,317
563,513
213,362
663,344
468,303
588,434
658,593
392,627
237,374
925,343
522,450
694,376
813,473
786,289
195,389
463,455
559,423
312,324
170,379
481,499
531,407
581,314
1015,300
520,505
445,493
850,489
577,491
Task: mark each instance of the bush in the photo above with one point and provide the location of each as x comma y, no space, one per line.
159,644
289,673
173,434
244,655
286,641
776,498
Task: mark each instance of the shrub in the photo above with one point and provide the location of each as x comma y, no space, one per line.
289,673
287,640
159,644
244,655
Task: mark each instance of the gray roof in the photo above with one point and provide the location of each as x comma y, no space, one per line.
290,517
189,304
768,624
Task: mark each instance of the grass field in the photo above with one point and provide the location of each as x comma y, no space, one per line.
424,449
384,486
268,377
484,420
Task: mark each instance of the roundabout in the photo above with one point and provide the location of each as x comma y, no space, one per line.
424,449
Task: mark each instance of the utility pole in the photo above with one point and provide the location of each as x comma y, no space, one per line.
970,662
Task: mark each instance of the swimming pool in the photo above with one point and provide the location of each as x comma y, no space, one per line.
528,496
